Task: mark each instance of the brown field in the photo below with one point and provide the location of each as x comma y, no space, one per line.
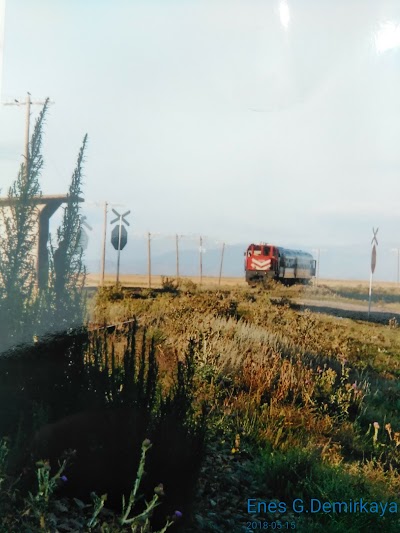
362,284
139,280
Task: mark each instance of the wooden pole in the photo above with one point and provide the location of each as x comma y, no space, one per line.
222,260
201,259
27,125
149,258
28,102
103,257
177,256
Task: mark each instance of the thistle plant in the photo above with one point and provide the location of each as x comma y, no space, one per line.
38,504
141,521
98,502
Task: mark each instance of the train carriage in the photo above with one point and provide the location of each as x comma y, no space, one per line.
266,261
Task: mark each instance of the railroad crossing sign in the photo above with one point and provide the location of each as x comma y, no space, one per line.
373,259
374,239
115,237
120,217
374,243
119,235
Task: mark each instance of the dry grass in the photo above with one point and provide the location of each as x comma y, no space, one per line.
137,280
142,280
336,283
281,380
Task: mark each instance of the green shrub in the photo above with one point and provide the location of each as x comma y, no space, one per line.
301,474
170,285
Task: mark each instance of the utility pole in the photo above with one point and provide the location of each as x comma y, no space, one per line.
201,259
27,126
43,219
149,258
222,259
28,102
177,256
103,258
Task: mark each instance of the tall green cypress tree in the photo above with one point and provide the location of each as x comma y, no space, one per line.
69,272
25,312
17,245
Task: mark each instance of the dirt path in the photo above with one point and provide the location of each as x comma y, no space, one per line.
356,311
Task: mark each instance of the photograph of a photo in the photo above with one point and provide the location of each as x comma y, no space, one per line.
199,266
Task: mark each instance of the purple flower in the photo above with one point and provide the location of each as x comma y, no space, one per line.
64,478
177,514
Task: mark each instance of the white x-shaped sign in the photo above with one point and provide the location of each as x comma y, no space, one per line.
374,239
120,217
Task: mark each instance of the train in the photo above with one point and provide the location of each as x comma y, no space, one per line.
265,262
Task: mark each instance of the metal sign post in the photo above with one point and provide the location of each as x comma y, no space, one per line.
119,236
374,243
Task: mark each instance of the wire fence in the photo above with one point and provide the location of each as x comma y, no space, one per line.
151,254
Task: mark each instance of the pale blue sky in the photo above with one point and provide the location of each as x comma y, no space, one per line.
212,117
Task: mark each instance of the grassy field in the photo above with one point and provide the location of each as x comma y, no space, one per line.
385,295
93,280
263,414
301,405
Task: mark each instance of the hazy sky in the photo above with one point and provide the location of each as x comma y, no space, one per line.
243,120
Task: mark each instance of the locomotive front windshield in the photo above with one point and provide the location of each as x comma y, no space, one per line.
260,250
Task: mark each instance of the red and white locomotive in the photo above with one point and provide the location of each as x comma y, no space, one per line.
266,261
